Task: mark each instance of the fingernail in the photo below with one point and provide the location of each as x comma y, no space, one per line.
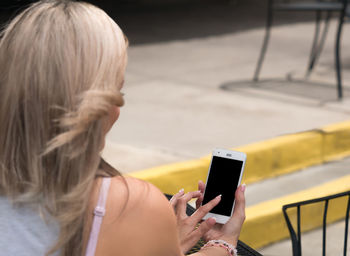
243,187
213,218
219,196
181,190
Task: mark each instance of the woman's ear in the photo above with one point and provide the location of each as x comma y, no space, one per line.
112,117
114,113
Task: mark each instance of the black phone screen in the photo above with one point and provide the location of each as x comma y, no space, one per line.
223,179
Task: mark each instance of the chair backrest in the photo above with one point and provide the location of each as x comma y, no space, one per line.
296,208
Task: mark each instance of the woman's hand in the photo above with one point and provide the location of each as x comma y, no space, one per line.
231,230
188,233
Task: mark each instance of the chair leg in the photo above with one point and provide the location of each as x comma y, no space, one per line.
337,55
294,237
318,46
265,43
346,226
314,44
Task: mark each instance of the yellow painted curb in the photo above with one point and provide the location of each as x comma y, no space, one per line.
336,141
171,178
265,222
265,159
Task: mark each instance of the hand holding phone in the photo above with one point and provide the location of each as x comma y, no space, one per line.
230,231
224,176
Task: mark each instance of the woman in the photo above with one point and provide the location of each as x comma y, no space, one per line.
62,68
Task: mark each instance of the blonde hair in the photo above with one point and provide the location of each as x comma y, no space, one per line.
62,65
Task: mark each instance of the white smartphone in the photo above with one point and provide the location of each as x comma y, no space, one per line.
224,176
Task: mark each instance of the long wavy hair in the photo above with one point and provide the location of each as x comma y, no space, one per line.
62,65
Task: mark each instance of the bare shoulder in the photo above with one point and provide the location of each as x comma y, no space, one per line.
133,196
139,221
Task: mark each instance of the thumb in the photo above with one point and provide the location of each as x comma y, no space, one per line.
239,211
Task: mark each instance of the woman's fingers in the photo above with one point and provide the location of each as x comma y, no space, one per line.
204,209
201,188
175,198
203,228
182,203
231,230
234,225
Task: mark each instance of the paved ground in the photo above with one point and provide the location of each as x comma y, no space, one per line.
311,243
188,85
296,181
287,184
188,89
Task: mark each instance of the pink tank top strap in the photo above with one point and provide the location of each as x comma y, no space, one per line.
99,212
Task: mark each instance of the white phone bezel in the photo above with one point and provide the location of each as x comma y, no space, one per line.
230,154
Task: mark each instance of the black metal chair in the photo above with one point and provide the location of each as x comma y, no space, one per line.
296,235
242,248
319,7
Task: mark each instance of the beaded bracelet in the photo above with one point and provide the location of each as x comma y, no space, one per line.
223,244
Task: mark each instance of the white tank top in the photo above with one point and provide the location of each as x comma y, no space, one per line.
24,232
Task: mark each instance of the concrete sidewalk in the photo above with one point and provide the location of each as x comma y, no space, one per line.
186,95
